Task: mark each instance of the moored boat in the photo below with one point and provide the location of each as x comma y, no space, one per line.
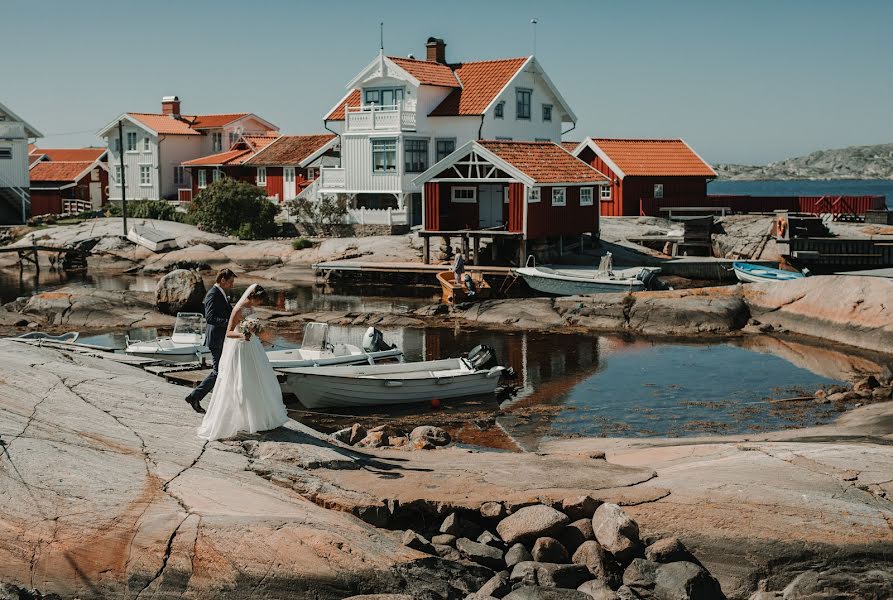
317,351
751,273
65,338
185,344
576,282
151,239
454,292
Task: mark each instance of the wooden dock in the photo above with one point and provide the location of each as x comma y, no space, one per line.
396,273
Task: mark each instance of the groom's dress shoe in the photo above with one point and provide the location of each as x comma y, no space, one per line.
194,403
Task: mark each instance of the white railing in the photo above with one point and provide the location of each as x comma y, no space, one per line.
73,206
22,195
376,216
332,178
372,117
11,130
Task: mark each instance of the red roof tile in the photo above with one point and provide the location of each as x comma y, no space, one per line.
230,157
165,124
211,121
337,113
289,150
544,162
58,170
570,146
654,157
481,83
428,73
70,154
259,142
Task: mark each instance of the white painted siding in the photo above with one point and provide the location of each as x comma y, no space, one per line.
175,150
522,129
14,171
132,161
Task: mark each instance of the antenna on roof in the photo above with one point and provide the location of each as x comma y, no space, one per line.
381,36
533,23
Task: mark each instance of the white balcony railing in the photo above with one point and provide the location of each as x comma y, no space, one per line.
372,117
332,178
13,131
376,216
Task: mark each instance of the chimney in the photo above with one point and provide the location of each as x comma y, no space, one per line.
170,105
436,50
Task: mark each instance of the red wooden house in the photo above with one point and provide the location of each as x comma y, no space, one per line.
520,190
645,169
67,180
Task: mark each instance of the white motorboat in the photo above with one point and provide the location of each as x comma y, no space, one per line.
152,239
186,343
385,385
578,282
317,351
64,338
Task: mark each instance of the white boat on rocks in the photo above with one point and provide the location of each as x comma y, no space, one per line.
385,385
576,282
152,239
185,344
317,351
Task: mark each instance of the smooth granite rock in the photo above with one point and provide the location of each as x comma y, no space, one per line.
531,522
616,532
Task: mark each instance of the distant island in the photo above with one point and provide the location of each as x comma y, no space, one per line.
855,162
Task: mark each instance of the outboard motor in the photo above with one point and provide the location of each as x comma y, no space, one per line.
646,276
373,341
482,357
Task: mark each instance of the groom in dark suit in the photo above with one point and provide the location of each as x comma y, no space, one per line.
217,313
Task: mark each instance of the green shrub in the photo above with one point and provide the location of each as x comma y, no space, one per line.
301,243
326,213
234,208
153,209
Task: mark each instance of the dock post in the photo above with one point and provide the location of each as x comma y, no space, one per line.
465,245
522,252
426,249
476,240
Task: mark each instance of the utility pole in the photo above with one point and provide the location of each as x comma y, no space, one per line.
123,181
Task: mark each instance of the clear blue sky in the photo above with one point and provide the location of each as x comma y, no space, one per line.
750,81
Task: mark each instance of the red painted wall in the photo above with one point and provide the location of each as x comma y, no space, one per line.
545,220
45,202
515,208
432,206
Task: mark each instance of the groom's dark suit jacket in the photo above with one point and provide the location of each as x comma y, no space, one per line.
217,313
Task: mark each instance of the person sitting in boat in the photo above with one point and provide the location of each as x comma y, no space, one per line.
458,267
468,282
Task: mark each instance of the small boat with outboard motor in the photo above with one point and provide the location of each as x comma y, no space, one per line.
568,281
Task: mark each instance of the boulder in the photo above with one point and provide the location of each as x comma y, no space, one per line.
492,510
882,393
446,552
516,554
444,538
573,536
413,540
491,540
481,554
380,597
549,550
687,312
616,532
550,575
683,581
641,577
531,522
866,384
599,562
598,589
459,527
180,291
581,507
435,436
669,550
498,586
537,593
374,439
840,581
357,433
624,593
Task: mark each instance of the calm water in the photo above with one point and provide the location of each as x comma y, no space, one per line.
803,187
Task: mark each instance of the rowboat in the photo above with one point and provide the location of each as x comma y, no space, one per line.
317,351
386,385
185,344
454,292
64,338
151,239
750,273
575,282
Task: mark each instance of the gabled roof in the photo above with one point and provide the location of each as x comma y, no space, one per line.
70,154
531,163
213,121
258,142
292,150
482,82
230,157
426,72
570,146
59,171
352,98
648,157
29,130
161,124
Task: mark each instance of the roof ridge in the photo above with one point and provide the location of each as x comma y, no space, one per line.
639,139
488,60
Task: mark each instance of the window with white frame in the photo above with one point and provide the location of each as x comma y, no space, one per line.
6,152
415,154
146,144
444,148
658,190
464,194
522,104
202,179
547,112
217,141
559,196
604,193
145,175
179,175
499,110
131,141
262,176
119,177
533,195
389,96
586,196
312,173
384,155
215,175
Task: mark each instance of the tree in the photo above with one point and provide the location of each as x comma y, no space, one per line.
325,213
234,208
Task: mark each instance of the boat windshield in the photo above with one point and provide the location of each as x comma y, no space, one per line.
315,336
189,328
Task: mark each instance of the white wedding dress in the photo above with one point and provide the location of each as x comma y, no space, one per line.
246,395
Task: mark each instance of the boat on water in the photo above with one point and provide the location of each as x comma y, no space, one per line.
454,292
751,273
185,344
64,338
578,282
386,385
317,351
152,239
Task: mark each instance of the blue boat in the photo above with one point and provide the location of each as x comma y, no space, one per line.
750,273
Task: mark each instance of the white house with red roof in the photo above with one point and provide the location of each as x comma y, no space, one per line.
15,199
402,115
155,146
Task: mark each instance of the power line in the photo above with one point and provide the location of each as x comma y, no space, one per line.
71,132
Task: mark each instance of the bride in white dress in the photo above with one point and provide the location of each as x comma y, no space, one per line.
246,395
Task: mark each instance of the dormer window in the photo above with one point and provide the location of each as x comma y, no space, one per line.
499,111
390,96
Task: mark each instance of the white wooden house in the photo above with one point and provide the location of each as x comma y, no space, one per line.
15,198
156,146
400,116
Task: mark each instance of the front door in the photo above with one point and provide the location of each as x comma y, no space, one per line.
489,206
96,195
288,183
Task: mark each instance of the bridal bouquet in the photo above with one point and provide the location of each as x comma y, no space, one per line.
249,327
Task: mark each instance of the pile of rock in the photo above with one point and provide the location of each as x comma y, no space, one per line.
866,390
424,437
576,550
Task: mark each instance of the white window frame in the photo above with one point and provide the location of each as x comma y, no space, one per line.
390,167
426,151
518,94
547,107
559,196
533,195
437,142
464,200
146,146
586,196
658,190
118,175
604,193
216,175
499,110
261,177
216,141
312,173
130,136
202,179
145,175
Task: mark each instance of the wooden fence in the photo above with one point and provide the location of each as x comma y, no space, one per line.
839,206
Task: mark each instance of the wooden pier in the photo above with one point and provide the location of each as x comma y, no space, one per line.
70,258
395,273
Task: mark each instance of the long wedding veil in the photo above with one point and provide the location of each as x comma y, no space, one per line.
246,294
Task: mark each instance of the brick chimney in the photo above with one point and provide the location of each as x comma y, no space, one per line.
436,50
170,105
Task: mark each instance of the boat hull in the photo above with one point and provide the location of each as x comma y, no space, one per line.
558,284
749,273
295,358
